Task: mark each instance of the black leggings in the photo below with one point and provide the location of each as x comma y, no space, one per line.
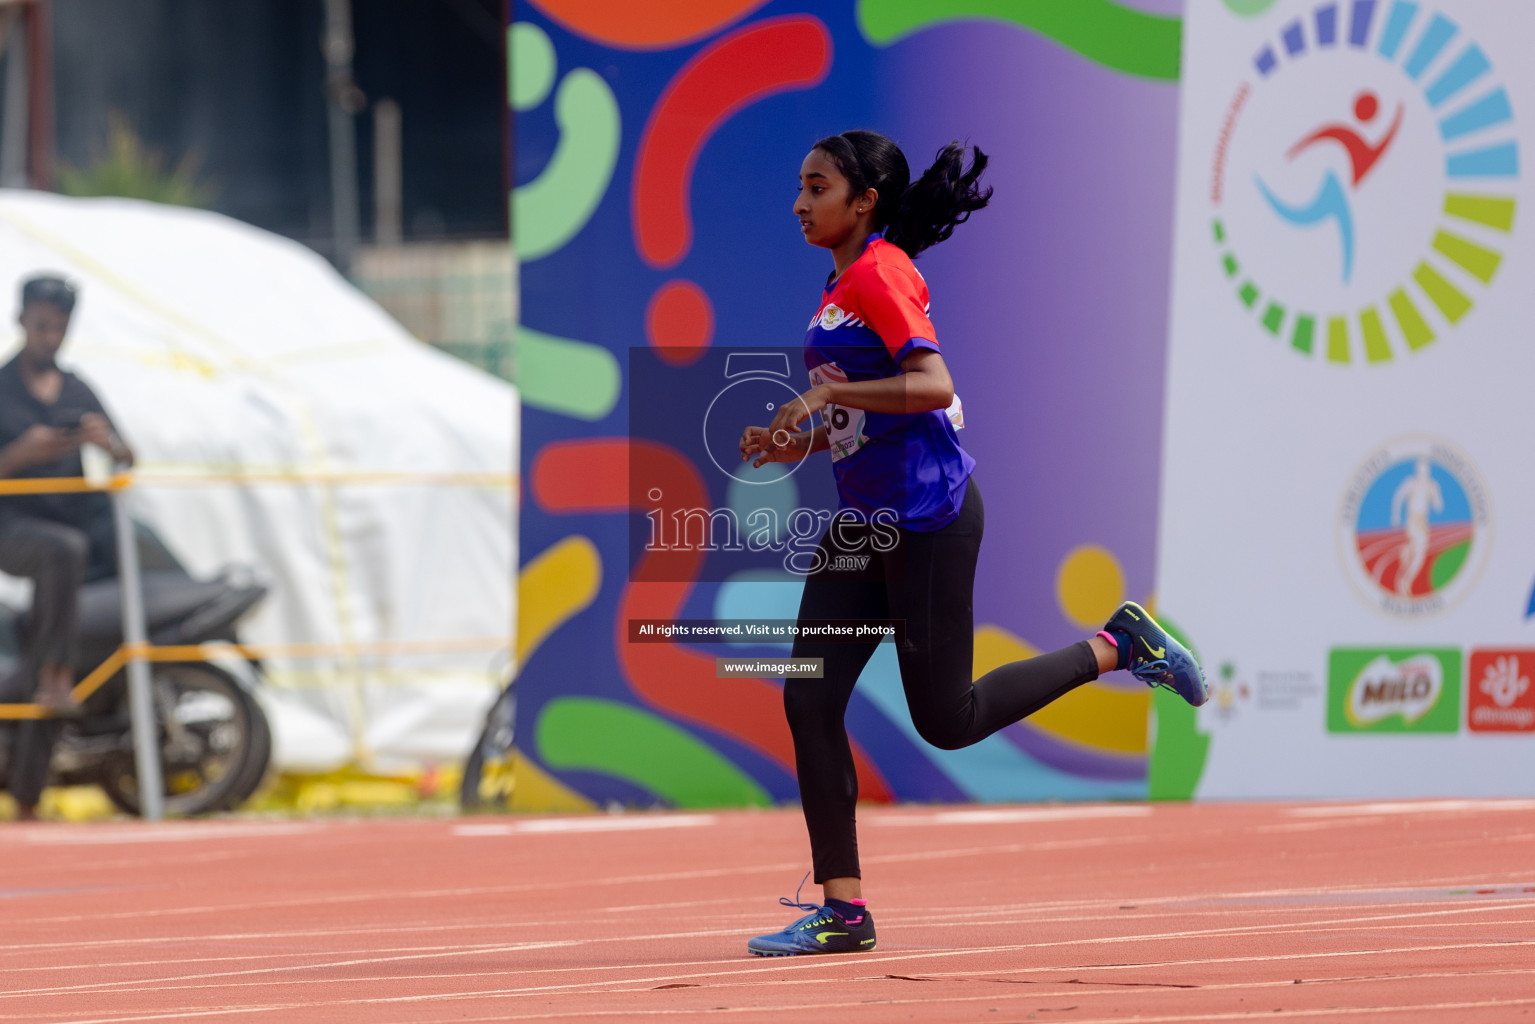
927,581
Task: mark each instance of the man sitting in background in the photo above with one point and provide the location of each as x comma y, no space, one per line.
57,540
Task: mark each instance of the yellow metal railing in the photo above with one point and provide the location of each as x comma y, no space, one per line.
207,652
126,652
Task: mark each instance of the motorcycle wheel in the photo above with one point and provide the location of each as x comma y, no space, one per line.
260,759
207,727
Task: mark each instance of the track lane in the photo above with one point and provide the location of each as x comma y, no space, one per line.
1206,912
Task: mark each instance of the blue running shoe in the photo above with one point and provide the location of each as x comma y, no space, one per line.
823,930
1156,659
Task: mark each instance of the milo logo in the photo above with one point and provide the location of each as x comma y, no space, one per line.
1393,690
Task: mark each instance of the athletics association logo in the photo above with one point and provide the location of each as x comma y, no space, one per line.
1363,181
1414,527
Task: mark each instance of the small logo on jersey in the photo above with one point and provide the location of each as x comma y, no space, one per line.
831,318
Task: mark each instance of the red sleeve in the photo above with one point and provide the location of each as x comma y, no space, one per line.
892,301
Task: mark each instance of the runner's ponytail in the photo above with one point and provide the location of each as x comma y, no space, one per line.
914,215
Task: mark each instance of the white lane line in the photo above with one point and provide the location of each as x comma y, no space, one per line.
947,920
814,963
1038,990
139,984
995,916
796,867
1317,826
1014,815
1274,927
1409,807
996,997
1177,1019
1326,1011
395,895
1429,886
1108,988
1235,931
201,981
820,962
593,823
1075,908
217,1011
186,962
103,835
1043,846
1368,923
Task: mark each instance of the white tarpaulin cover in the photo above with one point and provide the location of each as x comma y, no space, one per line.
283,421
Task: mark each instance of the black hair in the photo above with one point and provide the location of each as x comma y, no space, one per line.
915,214
49,288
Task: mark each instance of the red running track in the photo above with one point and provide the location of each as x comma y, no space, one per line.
1170,913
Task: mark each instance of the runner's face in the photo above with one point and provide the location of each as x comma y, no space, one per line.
827,216
44,325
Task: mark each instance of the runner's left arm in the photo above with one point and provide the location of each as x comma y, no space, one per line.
893,302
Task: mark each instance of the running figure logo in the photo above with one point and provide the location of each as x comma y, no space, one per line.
1414,526
1330,97
1417,496
1332,199
1411,540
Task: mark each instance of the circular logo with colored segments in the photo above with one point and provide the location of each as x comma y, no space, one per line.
1414,528
1363,180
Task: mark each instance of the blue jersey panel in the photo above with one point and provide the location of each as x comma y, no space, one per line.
870,319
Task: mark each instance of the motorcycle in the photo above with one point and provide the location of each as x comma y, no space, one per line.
215,741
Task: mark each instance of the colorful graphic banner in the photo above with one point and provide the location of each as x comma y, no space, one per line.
655,147
1345,528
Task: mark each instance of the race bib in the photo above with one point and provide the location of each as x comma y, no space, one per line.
844,427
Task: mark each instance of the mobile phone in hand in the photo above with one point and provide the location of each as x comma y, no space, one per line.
67,420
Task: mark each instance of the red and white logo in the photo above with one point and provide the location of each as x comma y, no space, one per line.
1502,699
831,317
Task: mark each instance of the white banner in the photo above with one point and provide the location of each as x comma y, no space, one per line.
1348,507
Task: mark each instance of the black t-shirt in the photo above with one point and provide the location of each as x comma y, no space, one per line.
19,411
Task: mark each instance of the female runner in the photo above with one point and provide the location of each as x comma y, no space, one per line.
884,395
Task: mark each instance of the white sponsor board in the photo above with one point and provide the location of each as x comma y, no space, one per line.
1348,506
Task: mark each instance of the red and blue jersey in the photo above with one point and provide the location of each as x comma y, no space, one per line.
871,318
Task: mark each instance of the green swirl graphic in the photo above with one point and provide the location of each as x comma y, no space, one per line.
548,211
531,63
1118,37
563,375
593,735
